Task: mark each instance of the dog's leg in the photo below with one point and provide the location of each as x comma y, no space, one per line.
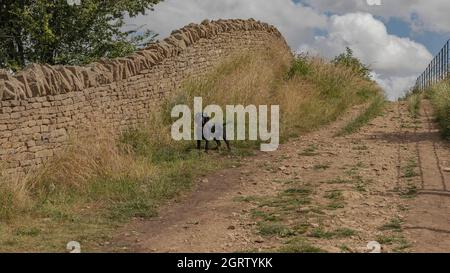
206,145
228,144
225,138
218,144
199,144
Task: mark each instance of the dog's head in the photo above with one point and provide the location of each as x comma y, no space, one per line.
205,119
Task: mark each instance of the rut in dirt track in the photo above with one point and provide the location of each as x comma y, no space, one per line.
428,222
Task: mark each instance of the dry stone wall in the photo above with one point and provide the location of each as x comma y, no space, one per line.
42,105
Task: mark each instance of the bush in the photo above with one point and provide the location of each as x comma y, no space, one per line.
300,67
348,60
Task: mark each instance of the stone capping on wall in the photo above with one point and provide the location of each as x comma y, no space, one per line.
38,80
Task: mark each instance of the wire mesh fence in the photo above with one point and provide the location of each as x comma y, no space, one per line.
437,70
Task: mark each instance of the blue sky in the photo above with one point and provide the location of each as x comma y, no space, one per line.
397,38
434,41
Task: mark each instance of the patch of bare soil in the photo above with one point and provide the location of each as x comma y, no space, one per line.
317,193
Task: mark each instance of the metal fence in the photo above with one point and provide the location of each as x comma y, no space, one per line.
437,70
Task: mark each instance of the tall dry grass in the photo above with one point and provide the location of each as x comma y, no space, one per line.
89,158
73,170
310,91
414,100
14,196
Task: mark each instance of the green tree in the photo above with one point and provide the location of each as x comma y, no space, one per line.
347,59
56,32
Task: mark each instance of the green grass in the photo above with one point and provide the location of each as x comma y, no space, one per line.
409,171
245,199
361,148
297,191
360,183
265,216
344,233
336,200
394,225
345,249
410,191
321,234
9,205
414,101
310,151
279,215
373,110
275,229
288,199
398,242
338,181
28,231
334,195
440,98
300,67
322,166
340,233
335,205
300,246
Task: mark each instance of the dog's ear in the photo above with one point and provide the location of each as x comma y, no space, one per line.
206,117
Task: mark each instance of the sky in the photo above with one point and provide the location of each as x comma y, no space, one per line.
396,38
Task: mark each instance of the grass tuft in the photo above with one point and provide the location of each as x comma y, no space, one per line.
394,225
271,229
300,246
375,109
340,233
414,101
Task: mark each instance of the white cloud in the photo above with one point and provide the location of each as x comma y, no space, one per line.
395,61
394,87
368,37
296,21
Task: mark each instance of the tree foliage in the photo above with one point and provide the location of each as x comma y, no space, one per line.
56,32
347,59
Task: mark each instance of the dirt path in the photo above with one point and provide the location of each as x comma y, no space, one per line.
317,193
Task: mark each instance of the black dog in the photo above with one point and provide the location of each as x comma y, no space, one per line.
204,120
